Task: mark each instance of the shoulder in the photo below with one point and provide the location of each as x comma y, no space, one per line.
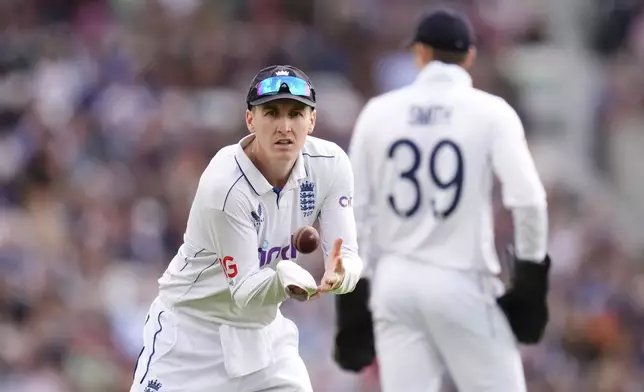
322,154
499,117
492,104
381,111
324,159
316,148
381,105
222,183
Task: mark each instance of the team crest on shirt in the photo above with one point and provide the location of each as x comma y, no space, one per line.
153,386
307,198
258,217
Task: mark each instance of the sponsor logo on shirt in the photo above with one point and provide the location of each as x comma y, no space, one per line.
229,266
266,254
153,386
345,201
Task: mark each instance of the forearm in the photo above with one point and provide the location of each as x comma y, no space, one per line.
530,232
353,263
364,216
260,289
353,267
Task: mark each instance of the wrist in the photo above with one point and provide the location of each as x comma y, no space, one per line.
291,274
352,273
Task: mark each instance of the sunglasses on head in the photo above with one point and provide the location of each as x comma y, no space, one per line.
275,84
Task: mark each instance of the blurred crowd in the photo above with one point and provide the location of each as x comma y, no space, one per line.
110,110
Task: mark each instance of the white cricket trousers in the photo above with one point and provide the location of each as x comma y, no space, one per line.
429,320
185,354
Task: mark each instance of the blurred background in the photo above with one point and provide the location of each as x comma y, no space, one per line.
110,110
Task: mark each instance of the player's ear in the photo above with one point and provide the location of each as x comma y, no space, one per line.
250,120
312,118
422,54
470,58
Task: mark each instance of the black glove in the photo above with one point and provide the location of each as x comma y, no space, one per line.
525,303
354,340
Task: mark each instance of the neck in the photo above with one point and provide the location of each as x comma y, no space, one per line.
276,172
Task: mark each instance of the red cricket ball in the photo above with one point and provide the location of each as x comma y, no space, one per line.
306,239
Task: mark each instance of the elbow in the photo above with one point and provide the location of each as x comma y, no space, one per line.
534,201
530,194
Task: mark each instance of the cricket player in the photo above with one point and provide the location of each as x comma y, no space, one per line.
215,324
424,158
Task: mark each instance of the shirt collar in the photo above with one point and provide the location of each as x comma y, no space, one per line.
437,71
256,179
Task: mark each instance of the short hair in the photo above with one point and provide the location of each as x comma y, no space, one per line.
298,104
449,57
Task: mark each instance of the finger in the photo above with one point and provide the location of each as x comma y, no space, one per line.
326,284
337,281
330,282
339,266
337,248
327,288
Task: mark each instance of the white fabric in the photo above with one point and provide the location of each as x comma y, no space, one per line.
530,233
187,354
240,228
405,150
245,350
292,274
429,320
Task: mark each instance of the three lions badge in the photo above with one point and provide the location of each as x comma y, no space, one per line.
307,198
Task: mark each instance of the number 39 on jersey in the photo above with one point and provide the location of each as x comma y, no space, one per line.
433,177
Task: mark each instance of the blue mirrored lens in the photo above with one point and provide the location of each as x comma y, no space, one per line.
273,84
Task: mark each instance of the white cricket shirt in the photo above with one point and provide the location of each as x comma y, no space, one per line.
240,227
424,158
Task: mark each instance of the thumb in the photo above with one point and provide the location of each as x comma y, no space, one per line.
337,248
339,267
